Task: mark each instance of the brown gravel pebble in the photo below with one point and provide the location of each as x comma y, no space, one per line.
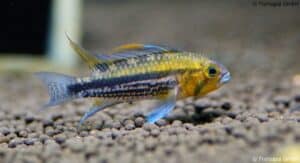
282,100
60,138
75,144
5,131
13,143
297,98
161,122
130,125
47,122
116,125
4,139
44,138
22,133
226,106
29,141
155,132
139,121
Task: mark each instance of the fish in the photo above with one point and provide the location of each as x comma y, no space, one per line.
134,72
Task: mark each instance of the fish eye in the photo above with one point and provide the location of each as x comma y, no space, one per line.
212,71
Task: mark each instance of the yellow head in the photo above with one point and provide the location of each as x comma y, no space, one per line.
209,77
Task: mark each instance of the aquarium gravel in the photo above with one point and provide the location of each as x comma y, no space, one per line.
245,120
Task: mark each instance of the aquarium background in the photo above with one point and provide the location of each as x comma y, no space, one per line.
24,26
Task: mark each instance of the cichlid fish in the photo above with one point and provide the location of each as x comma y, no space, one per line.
135,72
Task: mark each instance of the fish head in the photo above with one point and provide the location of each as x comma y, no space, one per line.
213,76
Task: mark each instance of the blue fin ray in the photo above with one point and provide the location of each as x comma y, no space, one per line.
93,110
137,50
163,109
57,87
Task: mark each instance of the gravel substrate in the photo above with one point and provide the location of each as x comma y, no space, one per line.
238,123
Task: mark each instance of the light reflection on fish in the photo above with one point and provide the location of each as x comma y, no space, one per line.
136,72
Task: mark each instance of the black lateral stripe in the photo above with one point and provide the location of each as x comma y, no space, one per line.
143,88
99,83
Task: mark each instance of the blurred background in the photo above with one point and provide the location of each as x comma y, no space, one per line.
247,37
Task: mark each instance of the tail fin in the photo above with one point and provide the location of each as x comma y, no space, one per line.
57,87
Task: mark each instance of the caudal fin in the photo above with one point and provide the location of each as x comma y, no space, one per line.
57,87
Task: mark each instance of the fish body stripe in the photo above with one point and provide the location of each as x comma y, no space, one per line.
146,88
109,82
136,70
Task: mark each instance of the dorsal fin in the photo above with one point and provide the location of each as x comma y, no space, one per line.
90,59
142,47
101,61
128,47
134,50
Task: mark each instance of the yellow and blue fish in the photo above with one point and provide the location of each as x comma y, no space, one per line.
135,72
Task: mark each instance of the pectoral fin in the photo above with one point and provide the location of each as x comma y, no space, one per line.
97,106
164,108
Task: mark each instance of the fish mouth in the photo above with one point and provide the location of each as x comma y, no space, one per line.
225,78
